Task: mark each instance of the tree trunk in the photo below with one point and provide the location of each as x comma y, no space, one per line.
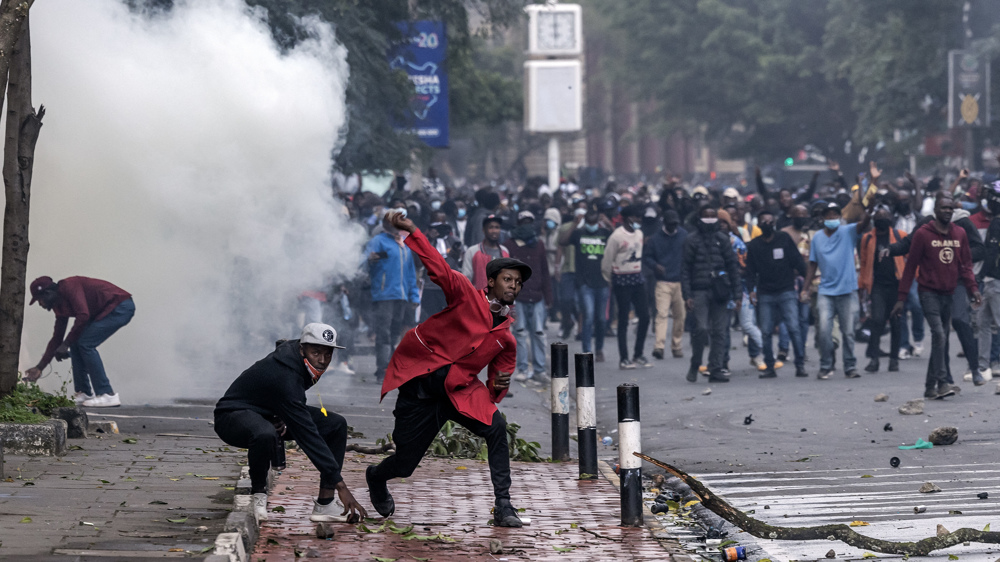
23,126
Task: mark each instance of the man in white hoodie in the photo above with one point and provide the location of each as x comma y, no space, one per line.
622,267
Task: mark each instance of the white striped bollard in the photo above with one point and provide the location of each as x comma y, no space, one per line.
586,416
560,402
630,466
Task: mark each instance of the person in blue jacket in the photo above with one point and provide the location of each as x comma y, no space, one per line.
394,290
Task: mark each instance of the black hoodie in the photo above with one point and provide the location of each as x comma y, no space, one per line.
275,387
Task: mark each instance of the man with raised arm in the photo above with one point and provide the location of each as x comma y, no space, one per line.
436,368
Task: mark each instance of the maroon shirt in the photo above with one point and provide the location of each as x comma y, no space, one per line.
942,259
84,299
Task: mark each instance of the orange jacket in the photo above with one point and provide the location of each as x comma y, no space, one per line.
462,335
867,275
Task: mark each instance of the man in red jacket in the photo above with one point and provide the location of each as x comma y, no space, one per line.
436,367
941,252
99,309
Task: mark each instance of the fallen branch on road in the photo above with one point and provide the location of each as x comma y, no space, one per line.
839,532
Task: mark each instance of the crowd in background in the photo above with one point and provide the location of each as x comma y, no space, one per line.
854,258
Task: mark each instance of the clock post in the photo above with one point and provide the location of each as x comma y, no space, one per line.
553,76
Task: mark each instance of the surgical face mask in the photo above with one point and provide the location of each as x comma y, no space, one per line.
461,212
517,207
969,205
592,227
435,205
800,222
709,220
636,226
832,224
550,224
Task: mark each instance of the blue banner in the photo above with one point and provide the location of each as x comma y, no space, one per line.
422,58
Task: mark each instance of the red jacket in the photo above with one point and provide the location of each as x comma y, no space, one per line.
942,259
84,299
462,335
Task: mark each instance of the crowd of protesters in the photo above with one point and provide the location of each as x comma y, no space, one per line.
856,259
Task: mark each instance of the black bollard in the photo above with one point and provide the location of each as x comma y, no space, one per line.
629,441
560,402
586,416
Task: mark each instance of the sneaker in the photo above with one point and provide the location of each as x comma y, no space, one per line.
918,349
978,379
905,354
718,378
761,366
641,361
853,374
872,366
345,368
81,397
703,369
893,365
987,374
767,374
823,375
260,506
801,372
946,390
599,357
521,376
540,378
779,364
379,493
782,356
329,513
678,353
504,515
103,401
692,375
967,377
931,393
657,354
625,364
756,363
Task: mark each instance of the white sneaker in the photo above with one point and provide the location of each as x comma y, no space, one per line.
345,368
917,349
260,506
329,513
967,377
521,377
103,401
904,354
80,397
987,374
756,363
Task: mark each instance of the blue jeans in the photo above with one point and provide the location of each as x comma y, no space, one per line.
593,302
916,311
784,340
529,331
782,307
85,359
846,308
749,326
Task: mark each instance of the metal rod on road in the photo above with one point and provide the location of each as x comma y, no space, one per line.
630,466
586,416
560,402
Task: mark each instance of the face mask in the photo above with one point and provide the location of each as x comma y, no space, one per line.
636,226
799,222
766,228
591,227
707,220
313,371
461,213
968,205
670,228
516,207
883,224
550,224
832,224
435,205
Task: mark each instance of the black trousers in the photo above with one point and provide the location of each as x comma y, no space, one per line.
249,430
883,299
422,408
390,317
629,298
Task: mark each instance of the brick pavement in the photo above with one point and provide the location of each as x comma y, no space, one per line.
451,499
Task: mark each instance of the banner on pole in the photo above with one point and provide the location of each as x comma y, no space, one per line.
968,90
422,56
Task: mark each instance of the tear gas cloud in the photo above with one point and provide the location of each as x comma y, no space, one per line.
186,159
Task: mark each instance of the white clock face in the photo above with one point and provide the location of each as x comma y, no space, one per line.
556,30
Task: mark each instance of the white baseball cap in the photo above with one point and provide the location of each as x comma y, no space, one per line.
320,334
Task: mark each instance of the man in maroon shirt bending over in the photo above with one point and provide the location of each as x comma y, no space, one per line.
941,251
99,309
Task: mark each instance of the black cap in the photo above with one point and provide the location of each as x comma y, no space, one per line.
671,216
495,266
831,206
492,218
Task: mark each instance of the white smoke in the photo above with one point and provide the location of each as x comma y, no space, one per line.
186,159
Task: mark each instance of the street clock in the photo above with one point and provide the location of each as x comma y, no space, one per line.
555,30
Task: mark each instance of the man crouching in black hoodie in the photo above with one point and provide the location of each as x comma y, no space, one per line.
267,404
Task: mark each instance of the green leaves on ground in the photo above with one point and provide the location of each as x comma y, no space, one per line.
25,520
457,442
278,509
178,520
130,440
564,548
27,403
407,532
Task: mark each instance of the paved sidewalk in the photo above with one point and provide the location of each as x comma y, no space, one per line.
450,500
112,496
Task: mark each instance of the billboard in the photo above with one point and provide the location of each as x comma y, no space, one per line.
553,100
968,89
421,56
